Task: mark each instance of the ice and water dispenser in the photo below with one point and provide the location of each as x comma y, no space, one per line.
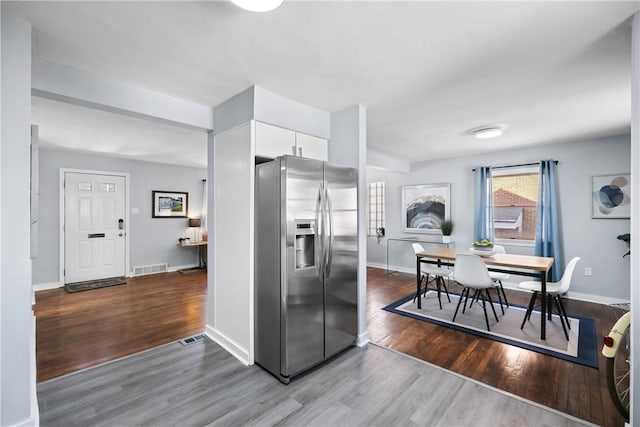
305,243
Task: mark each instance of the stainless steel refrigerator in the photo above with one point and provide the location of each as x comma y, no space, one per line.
306,263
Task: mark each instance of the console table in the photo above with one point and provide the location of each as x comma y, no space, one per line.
408,240
202,256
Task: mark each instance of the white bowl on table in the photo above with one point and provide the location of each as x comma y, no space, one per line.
482,250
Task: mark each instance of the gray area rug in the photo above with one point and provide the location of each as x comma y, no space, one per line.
93,284
580,348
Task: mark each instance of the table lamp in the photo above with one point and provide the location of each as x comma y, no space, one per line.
194,228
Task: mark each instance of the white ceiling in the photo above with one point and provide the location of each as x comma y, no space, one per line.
426,71
71,127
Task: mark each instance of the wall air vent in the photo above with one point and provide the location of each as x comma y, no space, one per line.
143,270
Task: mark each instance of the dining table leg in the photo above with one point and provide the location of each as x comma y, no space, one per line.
543,308
418,282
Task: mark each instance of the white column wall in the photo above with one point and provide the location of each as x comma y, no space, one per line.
17,373
230,303
635,217
348,147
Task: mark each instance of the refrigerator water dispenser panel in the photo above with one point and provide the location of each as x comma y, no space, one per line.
305,243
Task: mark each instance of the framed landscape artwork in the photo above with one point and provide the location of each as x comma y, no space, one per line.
425,206
169,204
610,196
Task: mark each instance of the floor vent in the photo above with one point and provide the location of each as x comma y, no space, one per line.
143,270
193,339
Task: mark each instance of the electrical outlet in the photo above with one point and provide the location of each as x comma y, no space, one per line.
587,271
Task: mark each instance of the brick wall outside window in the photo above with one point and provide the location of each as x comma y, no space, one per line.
520,191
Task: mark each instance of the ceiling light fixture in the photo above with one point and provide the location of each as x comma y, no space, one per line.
489,131
258,5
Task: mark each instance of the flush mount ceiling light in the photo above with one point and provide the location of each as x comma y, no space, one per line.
258,5
489,131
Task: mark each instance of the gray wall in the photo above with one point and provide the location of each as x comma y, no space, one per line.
152,240
592,239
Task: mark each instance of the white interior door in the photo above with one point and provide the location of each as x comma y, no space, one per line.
95,228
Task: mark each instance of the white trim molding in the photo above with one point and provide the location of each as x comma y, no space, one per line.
363,339
60,82
29,422
45,286
223,341
181,267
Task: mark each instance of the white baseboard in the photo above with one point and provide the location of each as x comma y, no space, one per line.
53,285
44,286
29,422
181,267
363,339
35,409
228,344
376,265
34,416
392,268
598,299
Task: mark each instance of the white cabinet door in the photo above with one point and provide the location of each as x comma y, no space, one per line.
273,141
311,147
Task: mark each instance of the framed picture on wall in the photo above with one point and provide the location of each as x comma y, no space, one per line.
611,196
169,204
425,206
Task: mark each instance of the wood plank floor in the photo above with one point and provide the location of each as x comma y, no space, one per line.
574,389
201,384
75,331
82,329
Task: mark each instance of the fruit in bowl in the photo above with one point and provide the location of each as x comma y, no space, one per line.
483,245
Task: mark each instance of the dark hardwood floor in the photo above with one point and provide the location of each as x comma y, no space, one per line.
76,331
83,329
571,388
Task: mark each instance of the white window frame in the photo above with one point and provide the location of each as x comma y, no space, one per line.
382,222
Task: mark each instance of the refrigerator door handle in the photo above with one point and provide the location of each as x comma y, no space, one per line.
319,231
329,224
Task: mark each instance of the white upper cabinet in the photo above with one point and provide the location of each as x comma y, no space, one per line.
273,141
311,146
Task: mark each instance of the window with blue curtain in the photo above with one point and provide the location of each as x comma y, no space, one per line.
515,202
483,215
548,227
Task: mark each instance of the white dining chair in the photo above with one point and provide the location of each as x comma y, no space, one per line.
498,277
437,273
471,272
554,290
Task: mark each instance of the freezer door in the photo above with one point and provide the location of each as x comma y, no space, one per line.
302,292
341,276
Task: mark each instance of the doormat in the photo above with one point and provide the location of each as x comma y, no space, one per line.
581,347
93,284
